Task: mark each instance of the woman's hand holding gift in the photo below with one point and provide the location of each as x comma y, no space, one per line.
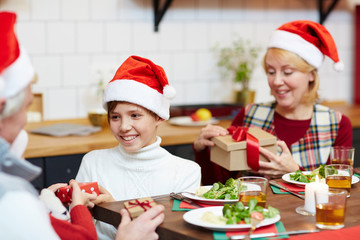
208,132
278,164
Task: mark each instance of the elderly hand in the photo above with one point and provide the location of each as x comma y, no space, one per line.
277,165
203,140
56,186
143,227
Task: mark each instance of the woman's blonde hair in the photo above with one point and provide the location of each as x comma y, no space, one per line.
300,64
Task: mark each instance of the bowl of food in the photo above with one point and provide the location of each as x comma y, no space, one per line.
98,118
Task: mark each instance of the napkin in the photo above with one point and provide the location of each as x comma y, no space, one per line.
290,186
184,206
344,233
276,227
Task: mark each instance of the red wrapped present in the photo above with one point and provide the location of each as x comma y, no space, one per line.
138,206
65,193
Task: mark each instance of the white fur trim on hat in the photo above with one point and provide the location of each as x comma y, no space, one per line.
18,75
137,93
296,44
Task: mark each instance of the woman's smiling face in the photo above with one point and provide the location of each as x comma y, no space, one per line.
133,126
288,85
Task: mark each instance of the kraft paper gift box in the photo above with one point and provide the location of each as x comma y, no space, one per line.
232,155
138,206
65,193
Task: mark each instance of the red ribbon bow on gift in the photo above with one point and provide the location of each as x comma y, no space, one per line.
252,145
143,204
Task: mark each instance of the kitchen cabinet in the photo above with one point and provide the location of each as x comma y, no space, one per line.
59,169
356,145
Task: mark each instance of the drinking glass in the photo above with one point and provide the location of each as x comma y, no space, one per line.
252,187
339,176
342,155
330,208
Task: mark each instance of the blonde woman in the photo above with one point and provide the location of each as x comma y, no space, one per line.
305,130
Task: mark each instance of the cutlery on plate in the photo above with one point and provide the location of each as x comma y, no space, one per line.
180,197
274,234
272,182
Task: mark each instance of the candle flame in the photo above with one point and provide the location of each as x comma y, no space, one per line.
317,179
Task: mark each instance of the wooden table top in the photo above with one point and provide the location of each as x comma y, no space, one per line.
174,227
45,146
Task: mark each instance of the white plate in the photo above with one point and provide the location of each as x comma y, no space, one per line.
187,121
189,194
194,217
286,178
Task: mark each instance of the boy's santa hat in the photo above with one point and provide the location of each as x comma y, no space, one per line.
140,81
16,70
310,40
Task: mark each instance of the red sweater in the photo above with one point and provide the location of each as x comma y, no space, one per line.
81,226
212,172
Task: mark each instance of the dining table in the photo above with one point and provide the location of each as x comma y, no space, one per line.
174,227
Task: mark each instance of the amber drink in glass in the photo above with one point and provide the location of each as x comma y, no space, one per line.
339,176
342,155
330,208
252,187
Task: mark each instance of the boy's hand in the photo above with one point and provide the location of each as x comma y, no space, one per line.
104,196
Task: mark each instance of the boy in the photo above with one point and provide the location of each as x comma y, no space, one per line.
137,101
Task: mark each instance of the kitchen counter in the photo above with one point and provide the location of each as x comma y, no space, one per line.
46,146
352,112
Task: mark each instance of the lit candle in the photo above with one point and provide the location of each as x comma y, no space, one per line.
310,190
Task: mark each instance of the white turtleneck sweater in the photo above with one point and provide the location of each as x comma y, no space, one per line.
148,172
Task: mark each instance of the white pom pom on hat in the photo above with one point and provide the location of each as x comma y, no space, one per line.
308,39
169,92
140,81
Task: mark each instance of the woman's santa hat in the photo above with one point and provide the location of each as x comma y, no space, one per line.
16,70
309,40
140,81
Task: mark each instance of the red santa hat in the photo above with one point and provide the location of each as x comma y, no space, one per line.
309,40
140,81
16,71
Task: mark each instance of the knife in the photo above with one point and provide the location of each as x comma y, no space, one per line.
274,234
286,189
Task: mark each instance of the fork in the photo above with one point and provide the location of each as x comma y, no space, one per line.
180,197
254,222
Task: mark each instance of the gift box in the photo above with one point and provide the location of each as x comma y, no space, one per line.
232,155
138,206
65,193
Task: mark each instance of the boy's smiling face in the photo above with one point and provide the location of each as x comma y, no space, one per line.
133,126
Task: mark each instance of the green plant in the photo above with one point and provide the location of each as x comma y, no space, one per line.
238,60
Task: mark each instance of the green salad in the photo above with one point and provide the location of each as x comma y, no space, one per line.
299,176
238,213
226,191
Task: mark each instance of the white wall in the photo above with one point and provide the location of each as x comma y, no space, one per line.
70,40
